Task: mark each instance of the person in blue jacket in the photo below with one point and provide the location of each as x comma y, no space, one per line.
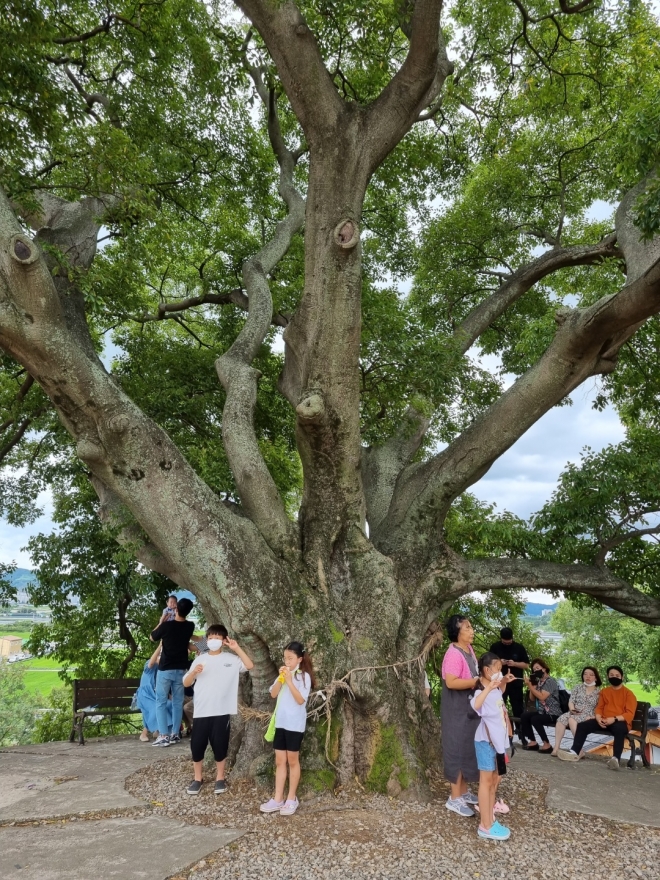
145,698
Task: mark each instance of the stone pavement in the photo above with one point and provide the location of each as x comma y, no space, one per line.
589,787
65,814
58,780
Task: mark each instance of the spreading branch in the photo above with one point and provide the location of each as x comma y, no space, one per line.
518,283
381,465
259,494
416,85
45,330
531,574
587,343
294,49
235,297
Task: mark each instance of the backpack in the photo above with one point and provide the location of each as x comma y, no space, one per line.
563,696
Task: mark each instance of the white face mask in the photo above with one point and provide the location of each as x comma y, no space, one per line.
590,684
214,644
496,676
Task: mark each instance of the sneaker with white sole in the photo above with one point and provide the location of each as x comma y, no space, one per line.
194,787
175,739
272,806
220,786
469,798
564,755
458,805
289,807
613,764
161,742
495,832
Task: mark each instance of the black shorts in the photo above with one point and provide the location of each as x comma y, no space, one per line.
213,730
287,740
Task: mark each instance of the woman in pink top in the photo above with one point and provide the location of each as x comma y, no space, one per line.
459,722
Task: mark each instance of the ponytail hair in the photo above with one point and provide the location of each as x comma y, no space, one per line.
305,664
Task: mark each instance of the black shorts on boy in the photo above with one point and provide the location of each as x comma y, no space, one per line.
210,730
287,740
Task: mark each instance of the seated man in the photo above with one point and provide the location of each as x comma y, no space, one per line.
615,711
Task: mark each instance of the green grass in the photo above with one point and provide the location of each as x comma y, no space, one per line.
42,681
643,695
40,663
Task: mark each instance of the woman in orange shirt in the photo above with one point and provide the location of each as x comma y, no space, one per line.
614,713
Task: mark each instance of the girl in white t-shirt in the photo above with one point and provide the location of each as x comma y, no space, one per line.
291,689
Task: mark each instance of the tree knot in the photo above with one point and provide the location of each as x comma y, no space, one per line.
347,233
311,408
23,249
118,424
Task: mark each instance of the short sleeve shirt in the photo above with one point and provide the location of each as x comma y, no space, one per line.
290,715
216,687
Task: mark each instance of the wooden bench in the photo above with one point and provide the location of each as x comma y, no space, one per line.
638,735
107,697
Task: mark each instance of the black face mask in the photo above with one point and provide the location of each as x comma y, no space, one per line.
614,681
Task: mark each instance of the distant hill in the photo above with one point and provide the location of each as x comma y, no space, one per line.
535,609
21,578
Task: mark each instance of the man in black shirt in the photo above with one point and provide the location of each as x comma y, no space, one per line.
175,635
515,659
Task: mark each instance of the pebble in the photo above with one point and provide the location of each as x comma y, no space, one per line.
356,835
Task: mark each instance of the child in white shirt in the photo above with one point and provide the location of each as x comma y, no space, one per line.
215,674
490,740
291,689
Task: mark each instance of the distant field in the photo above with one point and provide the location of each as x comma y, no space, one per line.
8,631
642,695
40,663
42,681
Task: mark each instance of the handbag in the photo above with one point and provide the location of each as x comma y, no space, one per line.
269,735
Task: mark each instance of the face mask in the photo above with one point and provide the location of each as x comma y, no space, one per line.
614,681
496,676
590,684
214,644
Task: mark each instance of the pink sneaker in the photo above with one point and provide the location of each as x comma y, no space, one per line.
272,806
500,807
289,808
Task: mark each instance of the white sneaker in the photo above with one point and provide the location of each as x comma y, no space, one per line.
613,764
161,742
289,808
271,806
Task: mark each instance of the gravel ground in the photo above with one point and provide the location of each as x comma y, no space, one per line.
357,835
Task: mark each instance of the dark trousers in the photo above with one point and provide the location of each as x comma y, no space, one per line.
536,721
618,730
514,696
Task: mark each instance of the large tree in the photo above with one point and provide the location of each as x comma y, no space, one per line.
273,165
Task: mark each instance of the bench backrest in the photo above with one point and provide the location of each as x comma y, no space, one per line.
106,693
640,721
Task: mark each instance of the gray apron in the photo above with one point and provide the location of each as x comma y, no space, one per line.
459,725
